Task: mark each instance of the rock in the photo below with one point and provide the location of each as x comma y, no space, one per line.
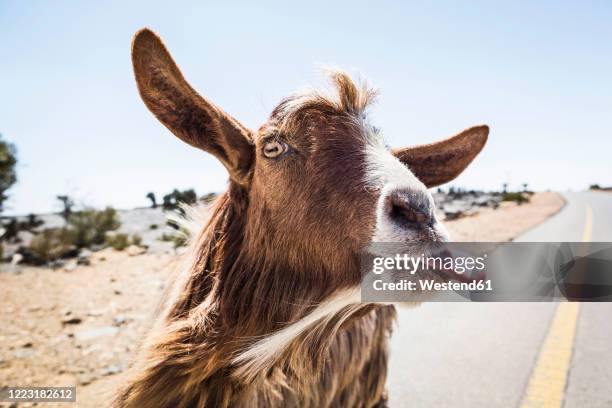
27,344
27,353
17,258
83,260
72,320
57,264
117,292
120,320
86,253
86,381
112,369
70,265
84,257
95,313
28,257
134,250
452,213
95,333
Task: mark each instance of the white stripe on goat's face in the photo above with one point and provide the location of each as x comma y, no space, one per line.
400,188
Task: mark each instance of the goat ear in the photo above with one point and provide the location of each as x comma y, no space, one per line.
441,162
181,109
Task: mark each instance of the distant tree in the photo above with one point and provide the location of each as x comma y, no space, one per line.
10,230
169,202
173,200
12,227
595,187
67,204
525,185
8,175
33,222
151,196
188,197
505,188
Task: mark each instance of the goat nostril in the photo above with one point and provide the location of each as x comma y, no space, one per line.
402,210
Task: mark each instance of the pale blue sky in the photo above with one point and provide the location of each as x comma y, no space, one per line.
538,73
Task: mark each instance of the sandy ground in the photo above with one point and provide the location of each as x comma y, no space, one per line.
507,222
80,327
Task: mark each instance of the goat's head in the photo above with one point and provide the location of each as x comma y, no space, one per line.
319,182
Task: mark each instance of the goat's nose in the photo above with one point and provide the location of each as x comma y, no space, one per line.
410,208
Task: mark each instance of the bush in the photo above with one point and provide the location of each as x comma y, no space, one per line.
518,197
179,239
173,200
90,226
85,228
153,226
118,241
49,245
136,240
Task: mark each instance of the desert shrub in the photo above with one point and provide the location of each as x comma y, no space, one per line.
178,238
85,229
153,226
90,226
518,197
50,244
118,241
173,200
136,239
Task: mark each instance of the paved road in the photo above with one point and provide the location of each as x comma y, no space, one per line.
485,355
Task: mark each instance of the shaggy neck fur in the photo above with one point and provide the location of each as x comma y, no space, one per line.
244,318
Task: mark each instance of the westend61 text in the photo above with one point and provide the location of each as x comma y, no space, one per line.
433,285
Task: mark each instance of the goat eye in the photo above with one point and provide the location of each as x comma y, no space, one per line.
274,148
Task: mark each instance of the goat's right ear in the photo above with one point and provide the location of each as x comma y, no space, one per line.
182,110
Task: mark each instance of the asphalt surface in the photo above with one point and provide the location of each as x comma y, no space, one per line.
483,354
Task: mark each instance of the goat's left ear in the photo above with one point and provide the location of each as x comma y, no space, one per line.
441,162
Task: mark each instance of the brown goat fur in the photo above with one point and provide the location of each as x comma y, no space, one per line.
284,238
